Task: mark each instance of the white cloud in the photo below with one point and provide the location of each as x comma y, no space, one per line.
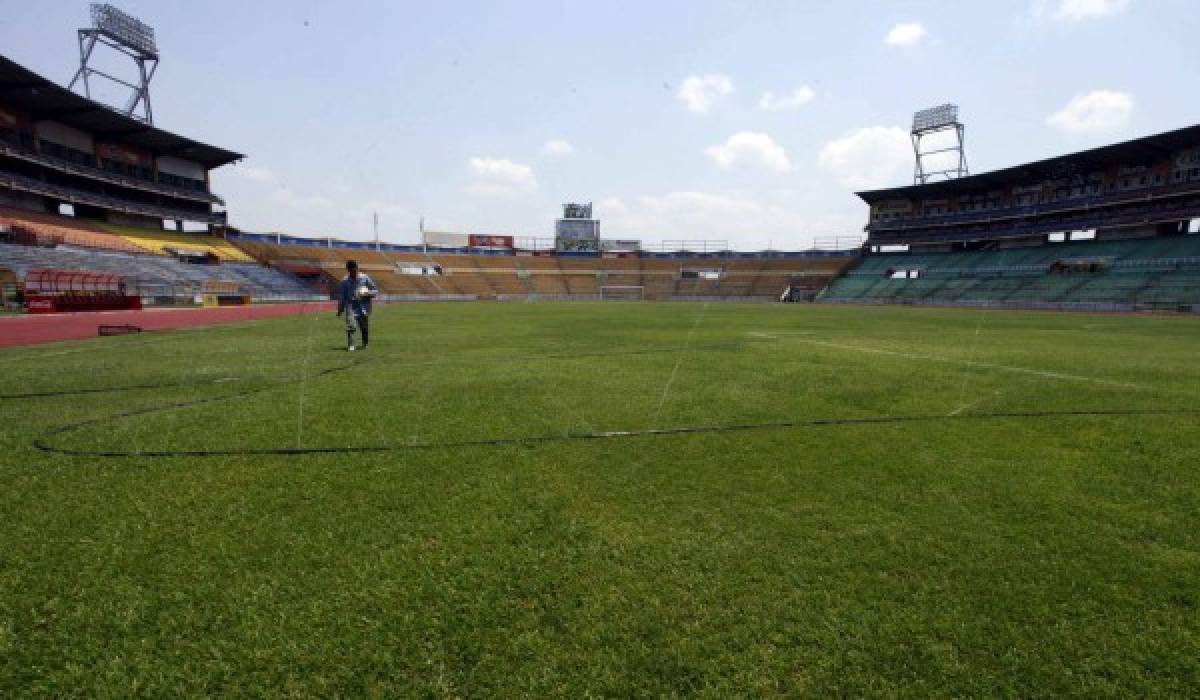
267,187
558,147
750,148
293,200
355,221
277,192
500,176
261,200
701,92
744,222
1097,111
905,34
875,156
796,99
702,205
252,173
503,170
611,206
1077,10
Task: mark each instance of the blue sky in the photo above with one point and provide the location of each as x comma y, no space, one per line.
483,117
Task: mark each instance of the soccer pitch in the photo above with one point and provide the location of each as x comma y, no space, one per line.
609,499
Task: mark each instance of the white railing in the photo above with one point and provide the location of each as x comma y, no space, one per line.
694,246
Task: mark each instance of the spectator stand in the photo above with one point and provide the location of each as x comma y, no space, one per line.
21,235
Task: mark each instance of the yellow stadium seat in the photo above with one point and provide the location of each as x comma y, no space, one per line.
162,242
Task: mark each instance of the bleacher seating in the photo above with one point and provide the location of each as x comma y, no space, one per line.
86,233
71,231
163,242
483,276
1159,272
155,275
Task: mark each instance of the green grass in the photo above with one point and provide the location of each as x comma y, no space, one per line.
954,556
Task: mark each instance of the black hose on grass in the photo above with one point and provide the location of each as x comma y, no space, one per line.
42,444
115,389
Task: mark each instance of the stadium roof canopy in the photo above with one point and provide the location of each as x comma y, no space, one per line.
1137,151
42,99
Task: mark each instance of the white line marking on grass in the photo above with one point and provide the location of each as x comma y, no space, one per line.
776,335
962,390
973,404
682,352
304,380
1049,374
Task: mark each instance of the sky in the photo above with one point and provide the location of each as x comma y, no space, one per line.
746,122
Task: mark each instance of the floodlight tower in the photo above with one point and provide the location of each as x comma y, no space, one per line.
129,36
933,121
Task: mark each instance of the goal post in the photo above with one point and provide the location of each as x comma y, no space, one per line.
621,293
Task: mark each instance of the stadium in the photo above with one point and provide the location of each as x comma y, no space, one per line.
954,456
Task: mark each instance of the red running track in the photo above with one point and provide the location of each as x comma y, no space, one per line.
51,328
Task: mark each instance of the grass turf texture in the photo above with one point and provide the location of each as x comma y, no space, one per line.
1051,556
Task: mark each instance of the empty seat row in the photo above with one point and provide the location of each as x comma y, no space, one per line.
1163,271
154,275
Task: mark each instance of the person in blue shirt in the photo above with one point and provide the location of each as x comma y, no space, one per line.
355,293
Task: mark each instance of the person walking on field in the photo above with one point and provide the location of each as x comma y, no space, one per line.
355,293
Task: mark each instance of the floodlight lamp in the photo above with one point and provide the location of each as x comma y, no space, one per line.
124,28
934,117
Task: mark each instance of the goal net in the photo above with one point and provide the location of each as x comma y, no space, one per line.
621,293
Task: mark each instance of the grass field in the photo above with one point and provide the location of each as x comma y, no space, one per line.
915,502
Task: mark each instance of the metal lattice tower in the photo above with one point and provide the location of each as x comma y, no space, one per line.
936,120
126,35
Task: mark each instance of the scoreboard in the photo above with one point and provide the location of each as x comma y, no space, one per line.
577,234
577,230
